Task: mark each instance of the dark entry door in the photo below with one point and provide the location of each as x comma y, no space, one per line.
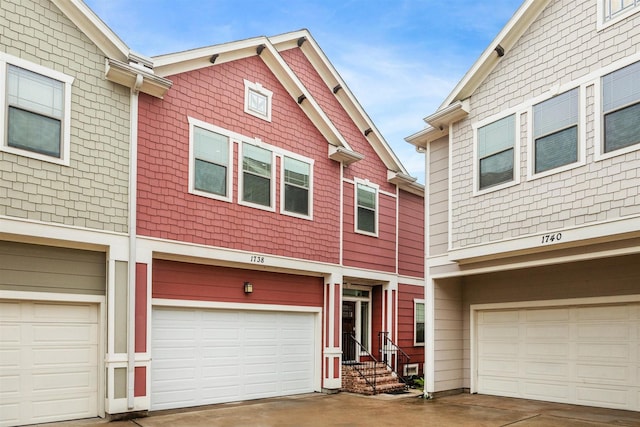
348,331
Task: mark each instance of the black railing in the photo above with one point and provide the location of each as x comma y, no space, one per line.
393,356
358,358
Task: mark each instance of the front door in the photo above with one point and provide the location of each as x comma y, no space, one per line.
348,331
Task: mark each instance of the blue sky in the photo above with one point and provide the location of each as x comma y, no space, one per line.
400,58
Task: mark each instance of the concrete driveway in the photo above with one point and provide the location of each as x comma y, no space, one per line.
350,410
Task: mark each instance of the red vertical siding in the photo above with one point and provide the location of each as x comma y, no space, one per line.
411,231
140,381
215,95
177,280
376,318
141,308
406,296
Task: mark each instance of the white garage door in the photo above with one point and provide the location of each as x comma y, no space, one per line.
202,357
48,362
582,355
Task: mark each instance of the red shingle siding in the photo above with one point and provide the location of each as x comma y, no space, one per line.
406,296
378,253
216,95
411,235
178,280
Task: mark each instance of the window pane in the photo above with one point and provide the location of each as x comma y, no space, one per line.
211,146
621,88
496,136
34,92
296,199
211,177
419,333
496,169
556,113
33,132
366,220
558,149
296,172
622,128
366,196
256,160
257,189
420,312
258,102
364,324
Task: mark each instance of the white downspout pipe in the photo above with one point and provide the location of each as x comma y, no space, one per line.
133,188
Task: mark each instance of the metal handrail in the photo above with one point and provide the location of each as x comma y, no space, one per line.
389,348
361,367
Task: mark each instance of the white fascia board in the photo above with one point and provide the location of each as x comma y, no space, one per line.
609,231
427,135
507,38
296,89
94,28
345,97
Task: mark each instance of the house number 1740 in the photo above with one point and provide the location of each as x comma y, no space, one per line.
549,238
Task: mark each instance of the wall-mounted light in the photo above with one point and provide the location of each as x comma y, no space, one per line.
248,287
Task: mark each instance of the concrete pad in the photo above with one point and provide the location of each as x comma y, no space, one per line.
352,410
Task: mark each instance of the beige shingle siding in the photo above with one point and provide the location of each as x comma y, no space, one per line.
563,45
438,197
93,190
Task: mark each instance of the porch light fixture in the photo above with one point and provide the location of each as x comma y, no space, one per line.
248,287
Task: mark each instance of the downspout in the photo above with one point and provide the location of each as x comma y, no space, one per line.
133,188
429,353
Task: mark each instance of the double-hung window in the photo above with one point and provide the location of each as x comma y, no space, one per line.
621,108
297,187
496,150
612,10
418,318
257,176
211,173
366,208
555,131
36,110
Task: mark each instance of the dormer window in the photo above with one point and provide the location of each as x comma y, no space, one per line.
257,100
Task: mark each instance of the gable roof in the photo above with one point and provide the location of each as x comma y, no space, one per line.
122,65
269,48
455,106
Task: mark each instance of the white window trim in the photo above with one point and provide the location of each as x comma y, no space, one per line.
258,143
582,134
599,153
355,206
67,81
415,341
257,87
233,138
282,185
358,313
602,24
516,153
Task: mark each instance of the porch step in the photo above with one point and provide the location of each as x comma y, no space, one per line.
385,380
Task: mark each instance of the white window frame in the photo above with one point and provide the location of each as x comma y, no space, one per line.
516,153
257,88
233,138
582,148
282,186
415,323
367,183
617,17
272,190
600,154
65,139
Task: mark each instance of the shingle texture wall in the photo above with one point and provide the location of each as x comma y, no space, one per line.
93,190
561,47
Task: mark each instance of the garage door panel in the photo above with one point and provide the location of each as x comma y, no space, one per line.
60,313
591,358
236,355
